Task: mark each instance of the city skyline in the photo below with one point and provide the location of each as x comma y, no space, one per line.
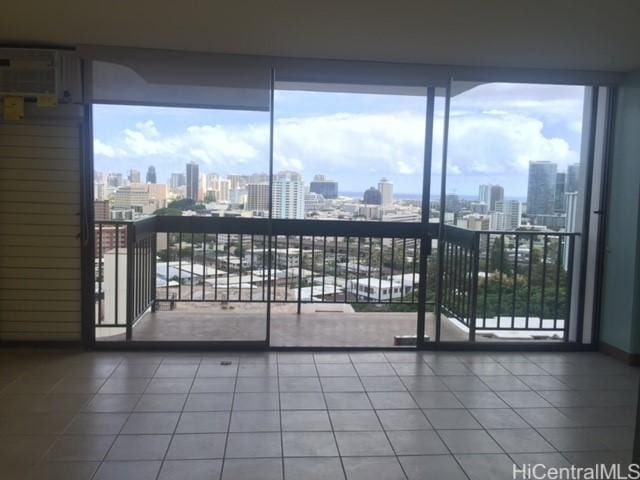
356,139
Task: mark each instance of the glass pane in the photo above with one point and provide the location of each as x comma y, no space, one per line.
172,163
513,185
352,156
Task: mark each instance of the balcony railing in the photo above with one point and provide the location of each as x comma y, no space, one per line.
489,281
499,281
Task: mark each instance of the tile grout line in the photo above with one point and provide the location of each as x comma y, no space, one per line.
233,399
175,428
386,435
42,459
284,475
115,438
326,405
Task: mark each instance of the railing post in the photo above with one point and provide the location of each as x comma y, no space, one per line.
567,316
300,276
131,240
152,267
475,268
439,281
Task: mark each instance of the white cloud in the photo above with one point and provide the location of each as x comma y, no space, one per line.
489,137
105,150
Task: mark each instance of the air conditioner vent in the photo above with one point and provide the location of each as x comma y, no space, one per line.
29,72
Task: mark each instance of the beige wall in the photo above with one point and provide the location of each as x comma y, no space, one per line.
40,286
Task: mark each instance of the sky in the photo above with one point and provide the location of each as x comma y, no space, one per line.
495,130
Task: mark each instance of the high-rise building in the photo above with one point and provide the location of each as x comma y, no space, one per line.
571,202
386,190
236,181
313,202
479,208
496,194
151,174
372,196
158,192
573,176
193,180
101,210
452,203
134,176
484,194
99,192
511,211
213,182
238,196
258,197
223,190
325,187
202,186
497,221
135,197
561,183
288,195
542,188
176,181
115,180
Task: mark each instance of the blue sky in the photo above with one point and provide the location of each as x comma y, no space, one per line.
495,130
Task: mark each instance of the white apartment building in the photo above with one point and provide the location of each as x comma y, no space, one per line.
136,197
288,196
511,215
385,187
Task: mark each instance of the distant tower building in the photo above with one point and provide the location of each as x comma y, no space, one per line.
386,190
99,191
372,196
115,180
224,186
313,202
258,196
573,173
202,186
571,202
484,194
496,194
101,209
176,181
323,186
151,175
193,180
542,188
452,203
134,176
511,211
236,181
561,183
288,195
497,221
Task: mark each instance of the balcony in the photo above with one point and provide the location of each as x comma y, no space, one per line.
328,283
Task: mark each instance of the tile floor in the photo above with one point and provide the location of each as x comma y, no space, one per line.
285,415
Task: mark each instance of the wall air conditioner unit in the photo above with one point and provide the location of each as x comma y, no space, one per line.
37,72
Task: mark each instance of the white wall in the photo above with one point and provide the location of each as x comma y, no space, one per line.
40,223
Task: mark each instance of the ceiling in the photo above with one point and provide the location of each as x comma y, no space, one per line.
563,34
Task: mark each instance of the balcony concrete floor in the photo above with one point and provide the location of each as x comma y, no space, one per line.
316,326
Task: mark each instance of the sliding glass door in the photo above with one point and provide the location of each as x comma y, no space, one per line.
344,214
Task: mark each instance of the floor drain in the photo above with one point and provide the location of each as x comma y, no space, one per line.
225,362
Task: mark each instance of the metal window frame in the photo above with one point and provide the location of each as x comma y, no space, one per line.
355,73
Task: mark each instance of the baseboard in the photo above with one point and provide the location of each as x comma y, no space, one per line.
50,344
632,359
